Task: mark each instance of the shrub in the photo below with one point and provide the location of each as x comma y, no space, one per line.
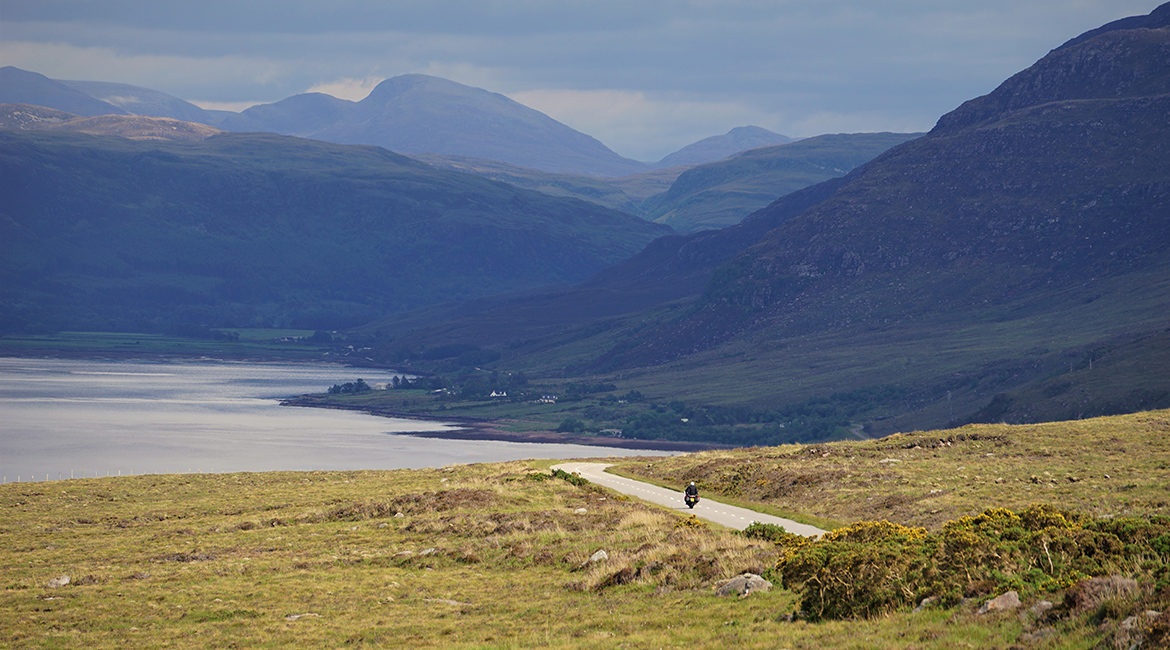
766,532
873,568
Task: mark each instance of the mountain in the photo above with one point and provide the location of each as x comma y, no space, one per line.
1028,221
718,194
136,100
989,255
718,147
259,229
423,114
300,115
38,118
22,87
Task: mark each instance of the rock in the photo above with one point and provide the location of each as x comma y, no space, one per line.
426,552
1003,603
1041,608
293,617
742,585
404,554
600,556
399,515
926,602
580,511
59,581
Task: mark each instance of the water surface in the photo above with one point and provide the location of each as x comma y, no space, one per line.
63,418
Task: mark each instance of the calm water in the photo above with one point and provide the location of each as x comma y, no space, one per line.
63,418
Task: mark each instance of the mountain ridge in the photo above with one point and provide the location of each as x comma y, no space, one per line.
424,114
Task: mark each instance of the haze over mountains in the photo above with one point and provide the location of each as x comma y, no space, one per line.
1025,233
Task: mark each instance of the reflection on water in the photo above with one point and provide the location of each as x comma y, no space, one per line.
62,418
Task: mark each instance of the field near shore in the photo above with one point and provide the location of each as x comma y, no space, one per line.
499,555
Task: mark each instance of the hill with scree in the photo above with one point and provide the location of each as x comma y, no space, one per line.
255,229
993,253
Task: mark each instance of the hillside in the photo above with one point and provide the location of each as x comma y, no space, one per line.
984,257
719,194
327,559
241,230
37,118
994,242
423,114
606,192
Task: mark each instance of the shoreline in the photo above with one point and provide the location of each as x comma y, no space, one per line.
483,429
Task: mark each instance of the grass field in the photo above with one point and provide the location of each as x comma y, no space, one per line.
497,555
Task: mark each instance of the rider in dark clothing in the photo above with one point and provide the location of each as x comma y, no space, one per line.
692,490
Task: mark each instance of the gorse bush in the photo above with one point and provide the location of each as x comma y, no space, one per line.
874,568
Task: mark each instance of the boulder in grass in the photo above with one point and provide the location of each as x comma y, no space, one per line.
742,585
1003,603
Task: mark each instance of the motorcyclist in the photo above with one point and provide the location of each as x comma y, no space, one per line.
692,490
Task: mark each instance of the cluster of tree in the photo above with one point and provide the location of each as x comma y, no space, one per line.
433,382
815,419
350,387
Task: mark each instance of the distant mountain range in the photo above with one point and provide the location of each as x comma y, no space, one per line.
108,233
411,114
1023,237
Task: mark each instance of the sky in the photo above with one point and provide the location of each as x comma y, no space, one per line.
646,77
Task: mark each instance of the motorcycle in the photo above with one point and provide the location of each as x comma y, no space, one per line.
691,500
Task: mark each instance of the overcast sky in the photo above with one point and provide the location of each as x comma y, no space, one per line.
645,77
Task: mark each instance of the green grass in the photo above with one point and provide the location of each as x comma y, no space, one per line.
321,559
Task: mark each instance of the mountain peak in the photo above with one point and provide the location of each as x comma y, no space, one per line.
718,147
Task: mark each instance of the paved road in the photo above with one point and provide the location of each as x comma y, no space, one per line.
722,514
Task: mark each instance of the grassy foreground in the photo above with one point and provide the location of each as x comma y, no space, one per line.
491,556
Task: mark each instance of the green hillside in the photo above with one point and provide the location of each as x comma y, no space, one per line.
719,194
257,230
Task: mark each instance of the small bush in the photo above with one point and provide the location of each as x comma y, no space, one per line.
570,478
766,532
